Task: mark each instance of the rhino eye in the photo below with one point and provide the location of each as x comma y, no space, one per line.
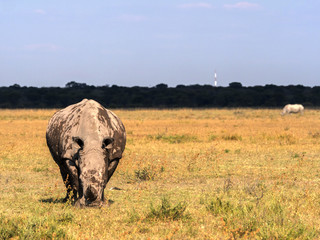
107,143
78,141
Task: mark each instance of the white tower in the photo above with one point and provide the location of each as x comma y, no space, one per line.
215,78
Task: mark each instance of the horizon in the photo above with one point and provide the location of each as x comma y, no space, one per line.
189,85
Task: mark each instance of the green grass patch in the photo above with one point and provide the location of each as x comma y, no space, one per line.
267,220
176,138
35,228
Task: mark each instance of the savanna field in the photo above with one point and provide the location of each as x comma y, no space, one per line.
185,174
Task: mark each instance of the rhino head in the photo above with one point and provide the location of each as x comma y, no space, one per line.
91,164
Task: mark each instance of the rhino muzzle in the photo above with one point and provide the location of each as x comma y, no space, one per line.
92,197
91,194
92,186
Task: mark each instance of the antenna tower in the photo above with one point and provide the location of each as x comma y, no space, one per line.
215,78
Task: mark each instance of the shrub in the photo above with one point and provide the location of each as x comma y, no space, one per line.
144,174
238,220
217,206
166,212
212,137
286,139
234,137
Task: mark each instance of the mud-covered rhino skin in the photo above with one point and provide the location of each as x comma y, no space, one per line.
86,141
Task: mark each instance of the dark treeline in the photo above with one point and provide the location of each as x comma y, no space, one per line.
160,96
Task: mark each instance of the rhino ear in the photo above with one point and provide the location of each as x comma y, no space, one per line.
67,153
107,143
115,152
72,148
112,147
78,141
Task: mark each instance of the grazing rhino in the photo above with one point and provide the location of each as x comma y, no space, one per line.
292,108
86,140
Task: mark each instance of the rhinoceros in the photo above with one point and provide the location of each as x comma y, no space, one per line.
292,108
86,140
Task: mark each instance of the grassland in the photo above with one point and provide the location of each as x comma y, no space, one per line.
185,174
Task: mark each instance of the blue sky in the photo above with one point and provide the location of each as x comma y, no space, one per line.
144,43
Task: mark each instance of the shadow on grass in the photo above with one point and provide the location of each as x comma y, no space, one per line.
62,200
53,200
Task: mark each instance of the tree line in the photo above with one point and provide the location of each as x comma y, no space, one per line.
160,96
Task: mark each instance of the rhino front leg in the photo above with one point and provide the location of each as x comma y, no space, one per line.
69,175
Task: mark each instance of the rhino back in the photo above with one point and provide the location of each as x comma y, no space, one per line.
87,118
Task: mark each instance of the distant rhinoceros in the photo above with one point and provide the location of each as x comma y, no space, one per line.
292,108
86,140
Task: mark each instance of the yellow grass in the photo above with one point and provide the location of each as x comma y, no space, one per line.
242,173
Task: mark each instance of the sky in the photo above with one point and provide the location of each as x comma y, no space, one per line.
145,43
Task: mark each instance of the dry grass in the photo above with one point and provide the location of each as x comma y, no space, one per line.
186,174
